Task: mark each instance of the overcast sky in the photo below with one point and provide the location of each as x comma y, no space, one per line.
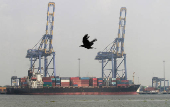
23,22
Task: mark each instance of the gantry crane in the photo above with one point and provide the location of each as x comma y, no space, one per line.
45,49
157,80
115,51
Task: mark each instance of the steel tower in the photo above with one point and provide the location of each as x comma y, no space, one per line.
45,48
115,51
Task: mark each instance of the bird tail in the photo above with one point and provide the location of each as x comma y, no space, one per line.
94,40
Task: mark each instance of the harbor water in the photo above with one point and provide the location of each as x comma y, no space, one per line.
84,100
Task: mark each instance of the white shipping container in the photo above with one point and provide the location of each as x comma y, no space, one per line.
113,82
113,78
65,80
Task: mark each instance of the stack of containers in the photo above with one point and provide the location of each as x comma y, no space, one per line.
53,82
112,81
100,81
84,81
23,82
122,82
148,89
93,82
65,81
106,81
57,81
75,81
47,82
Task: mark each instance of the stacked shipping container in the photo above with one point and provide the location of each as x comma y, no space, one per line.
75,81
47,82
53,82
24,82
65,81
112,81
123,83
106,81
100,81
84,81
57,81
93,82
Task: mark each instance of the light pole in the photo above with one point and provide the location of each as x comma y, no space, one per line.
79,67
164,75
133,77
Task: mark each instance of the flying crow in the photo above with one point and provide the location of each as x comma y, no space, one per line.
86,43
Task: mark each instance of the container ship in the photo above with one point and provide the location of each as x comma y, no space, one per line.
36,84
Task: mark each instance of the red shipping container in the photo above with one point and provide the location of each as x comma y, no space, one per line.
23,78
122,85
94,79
149,89
74,78
47,80
33,78
100,80
81,85
117,78
84,80
65,85
124,80
65,82
24,85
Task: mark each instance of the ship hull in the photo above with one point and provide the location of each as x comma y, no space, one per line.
131,90
85,93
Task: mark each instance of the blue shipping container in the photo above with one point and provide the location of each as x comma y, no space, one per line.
113,82
100,78
47,82
52,78
24,82
84,78
57,78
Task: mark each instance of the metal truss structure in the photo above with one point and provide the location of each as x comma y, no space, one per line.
45,48
157,80
115,51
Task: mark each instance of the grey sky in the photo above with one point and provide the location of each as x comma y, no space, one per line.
22,24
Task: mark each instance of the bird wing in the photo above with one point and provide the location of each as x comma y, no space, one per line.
85,40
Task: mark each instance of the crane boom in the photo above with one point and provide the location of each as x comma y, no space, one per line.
121,32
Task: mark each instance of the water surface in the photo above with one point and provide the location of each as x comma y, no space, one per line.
84,100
